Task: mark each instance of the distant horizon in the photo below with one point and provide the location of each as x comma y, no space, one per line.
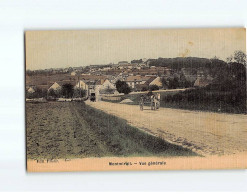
120,61
64,49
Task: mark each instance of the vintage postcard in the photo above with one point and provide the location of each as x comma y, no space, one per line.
104,100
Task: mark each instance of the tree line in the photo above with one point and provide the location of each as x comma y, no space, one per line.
226,93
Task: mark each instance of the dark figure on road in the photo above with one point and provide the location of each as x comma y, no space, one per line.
153,102
141,103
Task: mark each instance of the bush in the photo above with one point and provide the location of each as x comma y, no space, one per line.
153,87
53,93
39,93
123,87
207,99
79,93
67,90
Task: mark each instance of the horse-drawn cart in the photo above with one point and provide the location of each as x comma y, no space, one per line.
150,100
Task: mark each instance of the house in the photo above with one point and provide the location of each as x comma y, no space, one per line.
73,73
106,68
91,87
132,81
154,81
98,87
201,82
189,74
115,78
202,79
151,81
81,85
141,87
55,86
90,82
106,87
30,90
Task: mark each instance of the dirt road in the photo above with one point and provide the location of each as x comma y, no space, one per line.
204,132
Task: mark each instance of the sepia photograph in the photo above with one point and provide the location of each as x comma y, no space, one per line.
146,99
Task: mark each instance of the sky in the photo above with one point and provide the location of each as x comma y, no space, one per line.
61,49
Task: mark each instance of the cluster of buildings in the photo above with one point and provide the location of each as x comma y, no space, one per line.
91,84
101,79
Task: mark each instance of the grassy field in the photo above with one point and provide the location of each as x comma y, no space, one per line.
74,130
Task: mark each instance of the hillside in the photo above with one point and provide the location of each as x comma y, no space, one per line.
188,62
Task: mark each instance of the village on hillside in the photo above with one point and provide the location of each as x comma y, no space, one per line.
92,96
100,80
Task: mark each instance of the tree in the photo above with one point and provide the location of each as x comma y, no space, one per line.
184,83
144,88
136,61
164,83
229,59
173,83
216,67
240,57
39,93
123,87
153,87
79,93
215,58
67,90
52,93
118,85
